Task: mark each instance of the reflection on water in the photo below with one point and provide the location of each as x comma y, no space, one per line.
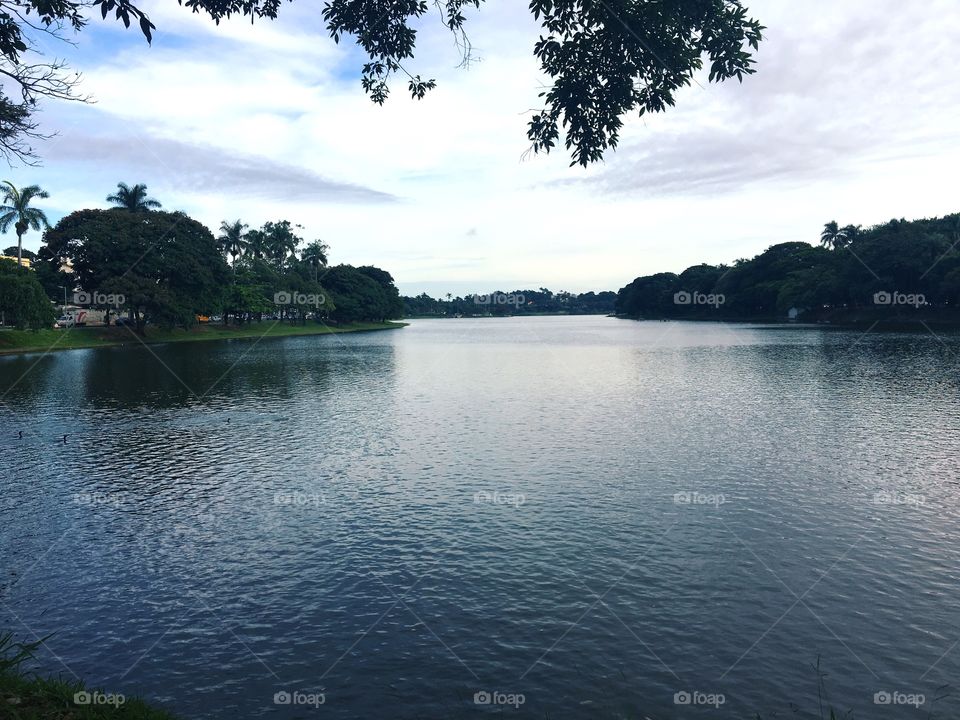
707,509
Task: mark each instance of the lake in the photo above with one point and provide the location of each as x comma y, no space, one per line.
562,517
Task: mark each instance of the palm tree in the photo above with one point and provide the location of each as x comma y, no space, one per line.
16,211
133,198
851,233
256,244
832,236
315,255
280,241
233,239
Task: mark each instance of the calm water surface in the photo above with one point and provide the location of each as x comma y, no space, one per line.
591,513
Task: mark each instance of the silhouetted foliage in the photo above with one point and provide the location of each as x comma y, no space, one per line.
606,58
362,294
134,198
853,269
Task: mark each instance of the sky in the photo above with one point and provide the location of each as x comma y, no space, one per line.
852,116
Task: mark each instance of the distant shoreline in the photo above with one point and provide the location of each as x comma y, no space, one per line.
18,342
516,315
898,323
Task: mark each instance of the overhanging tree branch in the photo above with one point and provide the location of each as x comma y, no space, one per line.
606,59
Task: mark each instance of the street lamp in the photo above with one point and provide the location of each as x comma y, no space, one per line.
64,296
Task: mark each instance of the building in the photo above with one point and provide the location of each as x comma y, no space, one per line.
25,262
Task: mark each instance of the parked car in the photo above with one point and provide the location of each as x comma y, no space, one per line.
124,322
65,321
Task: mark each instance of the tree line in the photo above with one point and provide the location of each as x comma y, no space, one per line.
518,302
155,266
910,267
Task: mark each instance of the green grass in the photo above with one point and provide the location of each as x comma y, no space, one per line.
23,341
27,697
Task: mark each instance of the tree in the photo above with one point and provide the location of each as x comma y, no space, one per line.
13,249
650,296
22,299
133,198
257,244
701,278
252,291
28,72
832,236
900,268
16,210
166,265
233,240
390,305
315,255
851,233
358,296
56,280
606,58
280,241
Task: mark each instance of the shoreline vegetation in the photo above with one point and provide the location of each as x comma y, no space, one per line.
27,696
542,301
154,271
13,342
897,274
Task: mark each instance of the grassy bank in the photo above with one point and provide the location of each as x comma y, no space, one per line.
27,697
24,341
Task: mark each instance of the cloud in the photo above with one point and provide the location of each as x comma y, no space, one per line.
708,163
854,84
200,168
